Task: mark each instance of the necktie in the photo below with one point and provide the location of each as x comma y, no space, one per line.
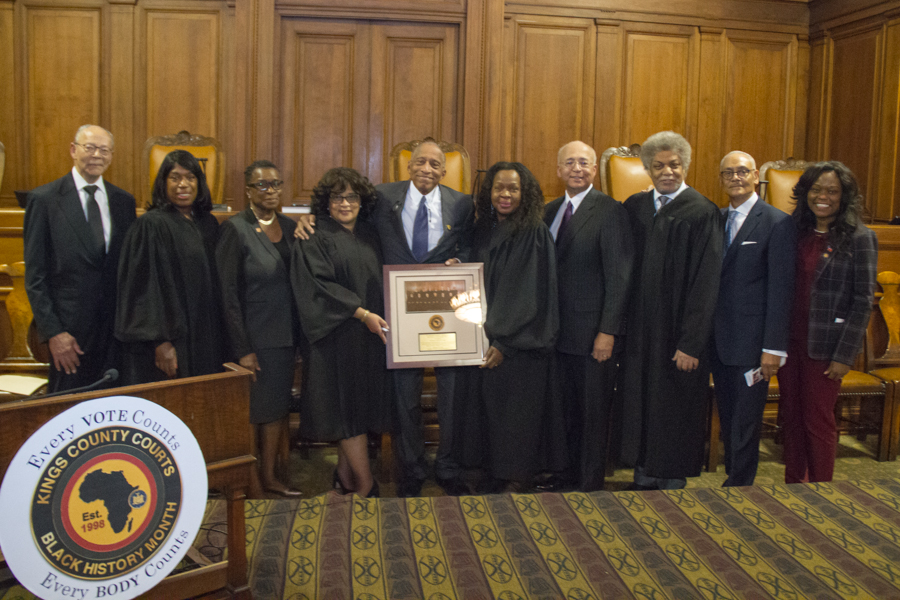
420,232
93,217
730,230
564,222
663,200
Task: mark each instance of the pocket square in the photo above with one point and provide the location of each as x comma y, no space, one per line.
747,243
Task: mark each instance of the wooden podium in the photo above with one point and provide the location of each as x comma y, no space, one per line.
216,408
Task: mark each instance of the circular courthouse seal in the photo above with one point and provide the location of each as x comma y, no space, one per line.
103,500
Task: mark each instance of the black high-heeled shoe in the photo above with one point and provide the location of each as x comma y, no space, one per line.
338,485
375,491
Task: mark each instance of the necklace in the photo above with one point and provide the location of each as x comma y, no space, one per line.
817,231
264,221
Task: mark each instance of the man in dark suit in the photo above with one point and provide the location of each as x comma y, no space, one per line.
74,229
594,253
665,375
750,328
421,221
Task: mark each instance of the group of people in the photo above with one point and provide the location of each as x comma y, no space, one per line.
604,319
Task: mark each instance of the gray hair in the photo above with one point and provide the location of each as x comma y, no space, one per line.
85,127
666,141
742,153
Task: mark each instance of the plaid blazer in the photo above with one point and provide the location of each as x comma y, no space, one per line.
841,299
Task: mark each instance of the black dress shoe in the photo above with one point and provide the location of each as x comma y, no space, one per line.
454,486
409,487
492,486
555,483
636,487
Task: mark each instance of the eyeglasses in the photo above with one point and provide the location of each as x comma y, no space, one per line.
337,199
265,184
583,163
741,173
91,149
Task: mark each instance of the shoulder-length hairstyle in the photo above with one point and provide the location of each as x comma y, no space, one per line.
160,197
335,181
849,214
531,207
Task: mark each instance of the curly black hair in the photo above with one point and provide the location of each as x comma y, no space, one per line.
336,180
531,208
849,215
159,195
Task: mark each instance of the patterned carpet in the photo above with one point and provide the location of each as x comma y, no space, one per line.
839,540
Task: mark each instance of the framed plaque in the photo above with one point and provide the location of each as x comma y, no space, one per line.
424,305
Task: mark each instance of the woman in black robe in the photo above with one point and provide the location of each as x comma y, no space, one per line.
522,323
337,281
167,312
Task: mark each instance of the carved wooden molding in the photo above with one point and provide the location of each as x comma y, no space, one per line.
788,164
632,151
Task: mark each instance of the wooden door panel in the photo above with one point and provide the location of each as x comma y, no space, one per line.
324,95
416,88
552,93
63,82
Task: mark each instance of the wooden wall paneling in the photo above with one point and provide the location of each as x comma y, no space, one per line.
474,44
181,60
760,101
416,87
496,107
884,202
661,81
118,86
820,69
325,90
256,87
854,102
608,86
712,115
553,92
60,81
9,123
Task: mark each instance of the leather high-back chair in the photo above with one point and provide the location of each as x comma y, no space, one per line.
622,173
459,170
208,151
777,179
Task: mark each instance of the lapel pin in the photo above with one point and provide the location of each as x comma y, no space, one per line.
448,227
258,230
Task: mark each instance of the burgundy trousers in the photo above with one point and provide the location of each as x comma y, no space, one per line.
807,410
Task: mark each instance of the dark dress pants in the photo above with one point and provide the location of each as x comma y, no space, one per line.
587,388
740,413
409,441
97,347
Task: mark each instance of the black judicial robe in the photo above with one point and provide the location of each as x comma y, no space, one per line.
332,274
168,292
509,416
677,265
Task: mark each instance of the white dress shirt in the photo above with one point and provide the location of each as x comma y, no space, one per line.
101,198
435,216
576,202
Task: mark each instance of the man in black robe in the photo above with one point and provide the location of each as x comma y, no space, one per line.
664,384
